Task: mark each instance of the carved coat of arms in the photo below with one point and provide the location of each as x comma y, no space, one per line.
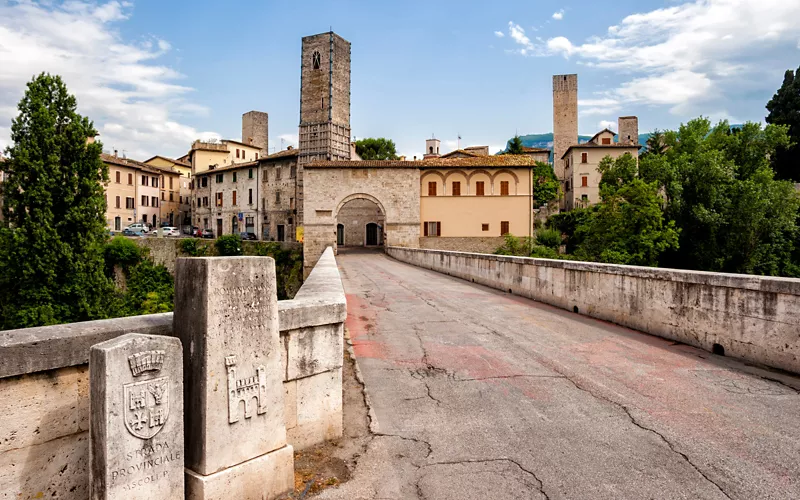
146,403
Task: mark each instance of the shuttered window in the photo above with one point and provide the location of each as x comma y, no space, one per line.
479,188
234,197
118,175
118,198
432,188
584,181
432,228
456,189
504,228
503,188
584,157
606,140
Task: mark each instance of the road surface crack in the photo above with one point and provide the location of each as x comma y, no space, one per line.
491,460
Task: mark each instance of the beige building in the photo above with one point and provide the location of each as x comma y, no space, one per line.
133,193
225,199
582,179
279,196
179,189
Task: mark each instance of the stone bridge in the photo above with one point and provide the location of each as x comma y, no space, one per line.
476,392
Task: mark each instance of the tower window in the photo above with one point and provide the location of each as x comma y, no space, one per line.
315,59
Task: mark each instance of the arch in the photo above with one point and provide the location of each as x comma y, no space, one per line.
423,187
488,188
505,175
457,175
359,196
479,171
506,171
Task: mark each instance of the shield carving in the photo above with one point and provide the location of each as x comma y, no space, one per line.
146,406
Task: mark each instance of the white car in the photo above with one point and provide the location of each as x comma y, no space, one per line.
171,231
138,226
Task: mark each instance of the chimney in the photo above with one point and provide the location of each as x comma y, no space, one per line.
289,148
115,153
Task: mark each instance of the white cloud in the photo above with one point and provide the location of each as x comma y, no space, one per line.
603,124
285,140
499,34
558,15
693,55
133,99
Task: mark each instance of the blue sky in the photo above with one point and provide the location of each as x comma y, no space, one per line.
156,75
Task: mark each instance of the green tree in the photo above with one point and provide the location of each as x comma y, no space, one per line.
376,149
53,233
514,146
546,187
784,109
616,173
229,245
656,143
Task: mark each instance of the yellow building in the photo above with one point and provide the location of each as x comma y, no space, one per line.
582,179
205,154
132,192
176,192
470,202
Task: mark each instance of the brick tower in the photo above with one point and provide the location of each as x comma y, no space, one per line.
565,120
255,130
324,104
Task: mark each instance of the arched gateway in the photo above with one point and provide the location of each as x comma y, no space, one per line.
329,187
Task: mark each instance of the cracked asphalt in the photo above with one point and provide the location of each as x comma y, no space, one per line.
475,393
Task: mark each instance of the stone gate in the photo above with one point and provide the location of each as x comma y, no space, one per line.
329,185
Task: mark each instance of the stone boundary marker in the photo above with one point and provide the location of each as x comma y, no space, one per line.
226,315
136,411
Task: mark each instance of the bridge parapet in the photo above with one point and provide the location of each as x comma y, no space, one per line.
44,384
755,318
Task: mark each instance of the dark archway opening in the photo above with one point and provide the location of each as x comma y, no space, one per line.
360,223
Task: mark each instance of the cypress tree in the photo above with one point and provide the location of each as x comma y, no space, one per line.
53,229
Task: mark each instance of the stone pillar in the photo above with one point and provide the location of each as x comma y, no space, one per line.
136,426
226,315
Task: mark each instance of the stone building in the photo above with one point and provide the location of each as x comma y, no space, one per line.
225,199
582,179
279,203
324,104
538,154
565,122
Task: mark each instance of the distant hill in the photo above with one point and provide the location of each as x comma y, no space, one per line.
546,141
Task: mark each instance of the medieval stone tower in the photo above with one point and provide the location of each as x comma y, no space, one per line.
628,128
565,120
255,130
324,104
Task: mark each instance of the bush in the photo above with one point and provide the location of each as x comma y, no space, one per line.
288,265
543,252
550,238
193,247
150,289
123,252
229,245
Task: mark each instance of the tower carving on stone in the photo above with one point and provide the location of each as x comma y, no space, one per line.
245,389
255,130
565,121
324,104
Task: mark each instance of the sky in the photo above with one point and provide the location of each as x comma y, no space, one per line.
156,75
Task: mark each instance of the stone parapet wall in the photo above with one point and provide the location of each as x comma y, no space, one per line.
44,386
487,244
755,318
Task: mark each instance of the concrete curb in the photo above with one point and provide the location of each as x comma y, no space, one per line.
373,420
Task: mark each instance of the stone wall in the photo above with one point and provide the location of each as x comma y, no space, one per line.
44,443
754,318
486,244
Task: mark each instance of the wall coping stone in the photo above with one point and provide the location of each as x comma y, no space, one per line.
320,301
789,286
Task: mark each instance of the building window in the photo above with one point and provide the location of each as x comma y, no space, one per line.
584,157
234,197
584,181
584,198
205,201
432,188
456,188
180,200
250,174
118,177
432,228
234,177
220,178
503,188
479,188
145,180
291,203
504,228
162,196
155,182
430,149
250,197
171,196
130,179
606,140
145,201
237,152
117,223
484,227
568,186
155,201
205,182
130,203
278,174
219,199
170,182
277,197
256,156
118,198
316,59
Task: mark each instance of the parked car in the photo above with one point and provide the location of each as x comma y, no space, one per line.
136,231
248,236
208,234
190,230
171,231
138,226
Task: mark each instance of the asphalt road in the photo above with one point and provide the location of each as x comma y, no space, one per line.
485,395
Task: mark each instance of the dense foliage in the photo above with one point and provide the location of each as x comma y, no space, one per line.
784,109
53,230
514,146
229,245
546,187
376,149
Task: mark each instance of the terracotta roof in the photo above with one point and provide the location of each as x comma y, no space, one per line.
472,162
535,150
127,162
178,162
462,151
604,130
226,168
476,147
595,145
241,143
281,154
